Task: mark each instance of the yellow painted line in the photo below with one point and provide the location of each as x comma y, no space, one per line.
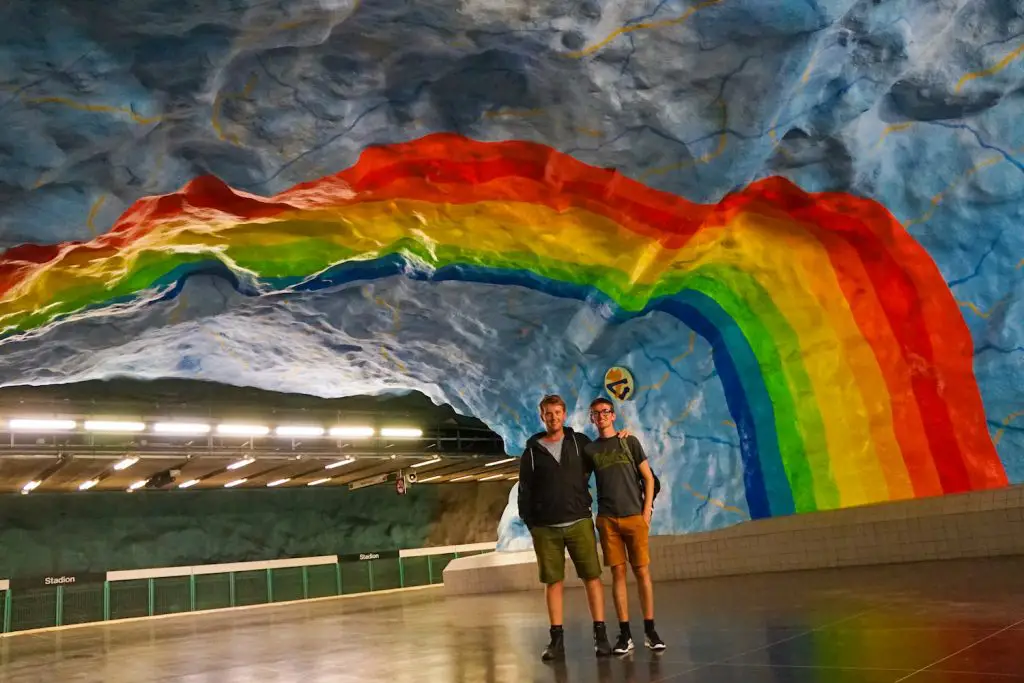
999,66
894,128
218,104
714,501
684,414
645,26
689,349
1006,423
937,199
592,132
728,423
90,220
98,108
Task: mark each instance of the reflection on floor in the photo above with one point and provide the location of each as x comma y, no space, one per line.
954,622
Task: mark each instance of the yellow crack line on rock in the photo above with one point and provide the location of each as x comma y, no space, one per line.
723,142
714,501
396,320
1006,423
894,128
684,414
90,220
728,423
689,349
517,113
937,199
992,70
645,26
218,104
397,361
97,108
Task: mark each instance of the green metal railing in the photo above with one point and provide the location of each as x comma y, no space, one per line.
43,607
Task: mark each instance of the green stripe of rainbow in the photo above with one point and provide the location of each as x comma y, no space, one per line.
850,367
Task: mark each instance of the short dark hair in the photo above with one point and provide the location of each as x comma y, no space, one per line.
601,400
553,399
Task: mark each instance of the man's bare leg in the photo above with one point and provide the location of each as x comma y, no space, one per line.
554,594
620,592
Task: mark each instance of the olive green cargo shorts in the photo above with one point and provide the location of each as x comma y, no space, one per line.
550,544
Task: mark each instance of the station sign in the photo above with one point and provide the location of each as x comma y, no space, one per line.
368,557
55,580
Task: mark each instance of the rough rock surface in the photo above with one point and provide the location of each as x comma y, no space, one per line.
915,104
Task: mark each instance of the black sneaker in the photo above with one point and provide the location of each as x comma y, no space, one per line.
601,645
652,641
623,645
556,648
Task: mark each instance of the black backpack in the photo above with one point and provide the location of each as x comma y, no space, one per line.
639,477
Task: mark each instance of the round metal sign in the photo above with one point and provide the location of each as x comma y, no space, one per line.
619,384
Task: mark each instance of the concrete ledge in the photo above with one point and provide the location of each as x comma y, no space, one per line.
978,524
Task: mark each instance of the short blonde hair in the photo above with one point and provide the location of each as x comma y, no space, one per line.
553,399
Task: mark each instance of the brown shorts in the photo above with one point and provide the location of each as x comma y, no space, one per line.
622,534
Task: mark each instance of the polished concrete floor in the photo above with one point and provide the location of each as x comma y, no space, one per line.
951,622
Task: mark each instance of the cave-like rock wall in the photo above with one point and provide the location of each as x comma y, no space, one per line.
798,224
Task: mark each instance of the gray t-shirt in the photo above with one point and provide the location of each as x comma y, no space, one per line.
554,448
619,492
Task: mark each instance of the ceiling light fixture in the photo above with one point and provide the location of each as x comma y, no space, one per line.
182,428
278,482
238,464
498,462
299,430
114,426
424,481
188,484
492,477
402,432
423,463
339,463
468,476
126,463
236,482
30,486
34,425
318,481
352,431
138,485
242,430
86,485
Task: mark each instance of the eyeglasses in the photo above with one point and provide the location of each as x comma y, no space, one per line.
600,413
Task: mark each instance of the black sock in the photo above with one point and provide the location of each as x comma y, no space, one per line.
624,629
648,625
556,629
598,626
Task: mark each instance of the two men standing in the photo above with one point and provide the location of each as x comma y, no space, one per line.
555,503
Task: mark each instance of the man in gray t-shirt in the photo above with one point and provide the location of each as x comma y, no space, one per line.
625,503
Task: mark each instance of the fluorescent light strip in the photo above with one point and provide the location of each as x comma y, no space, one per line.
86,485
242,430
30,486
241,463
402,432
29,425
424,481
339,463
138,485
499,462
492,477
426,462
188,484
299,430
352,431
279,482
126,463
114,426
236,482
182,428
318,481
468,476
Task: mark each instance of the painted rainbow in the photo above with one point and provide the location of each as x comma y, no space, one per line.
846,363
